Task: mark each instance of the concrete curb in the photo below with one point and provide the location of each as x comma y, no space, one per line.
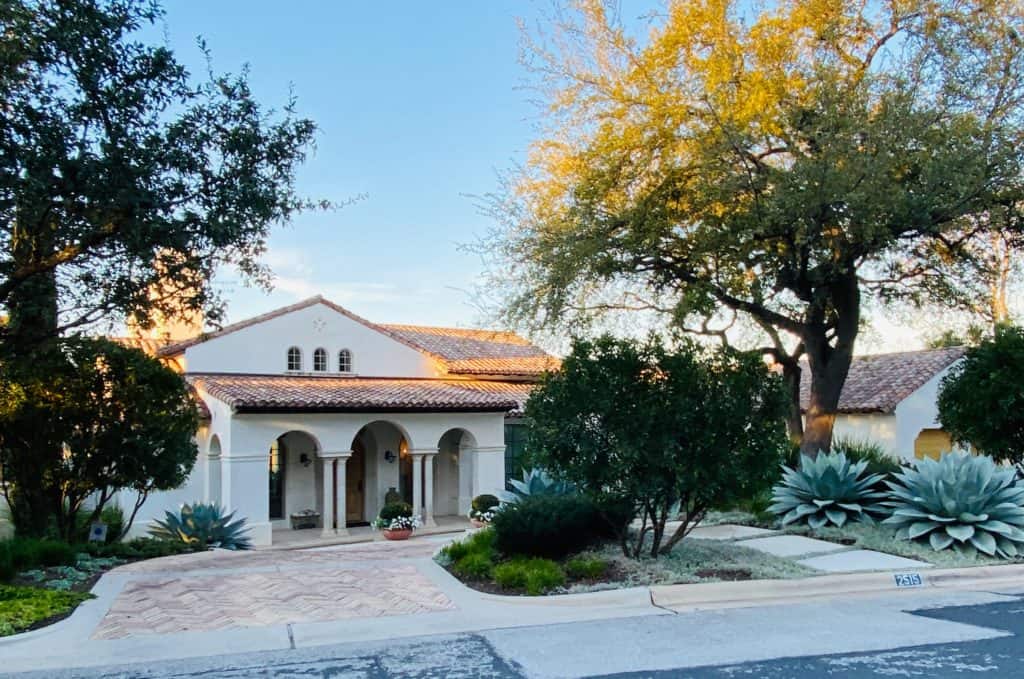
765,592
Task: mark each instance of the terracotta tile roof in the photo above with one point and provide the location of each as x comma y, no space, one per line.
457,351
877,384
340,394
477,352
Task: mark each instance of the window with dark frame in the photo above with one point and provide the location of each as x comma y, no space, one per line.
294,359
320,360
344,361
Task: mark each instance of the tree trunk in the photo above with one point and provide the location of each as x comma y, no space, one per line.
829,365
794,421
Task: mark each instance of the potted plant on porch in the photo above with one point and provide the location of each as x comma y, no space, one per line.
483,510
396,521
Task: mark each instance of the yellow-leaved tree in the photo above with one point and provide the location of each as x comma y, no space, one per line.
777,165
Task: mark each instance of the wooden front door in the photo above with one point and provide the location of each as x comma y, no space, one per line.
355,484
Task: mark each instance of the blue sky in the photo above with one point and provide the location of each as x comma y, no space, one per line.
418,104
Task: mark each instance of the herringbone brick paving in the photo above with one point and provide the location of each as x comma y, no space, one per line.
297,591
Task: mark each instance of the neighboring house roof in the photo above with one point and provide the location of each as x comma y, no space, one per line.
878,383
457,351
477,352
288,393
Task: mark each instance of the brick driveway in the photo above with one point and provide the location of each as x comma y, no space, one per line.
252,589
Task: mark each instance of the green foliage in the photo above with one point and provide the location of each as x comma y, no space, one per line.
535,482
395,510
827,489
485,502
140,548
117,418
981,399
586,567
879,461
964,501
202,525
536,576
546,525
661,431
22,554
473,556
23,607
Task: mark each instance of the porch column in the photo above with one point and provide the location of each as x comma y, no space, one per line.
340,490
327,515
417,482
428,487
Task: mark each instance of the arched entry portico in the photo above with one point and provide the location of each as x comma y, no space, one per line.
292,477
453,472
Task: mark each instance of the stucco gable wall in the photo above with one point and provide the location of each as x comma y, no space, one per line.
918,411
879,428
262,348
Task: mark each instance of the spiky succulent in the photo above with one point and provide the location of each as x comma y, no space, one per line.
536,481
827,489
964,501
203,525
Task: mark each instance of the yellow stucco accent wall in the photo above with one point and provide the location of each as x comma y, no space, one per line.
932,443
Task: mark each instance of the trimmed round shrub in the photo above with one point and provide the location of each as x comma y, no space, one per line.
485,502
549,526
395,510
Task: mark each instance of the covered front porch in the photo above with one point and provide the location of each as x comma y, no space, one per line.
285,538
319,457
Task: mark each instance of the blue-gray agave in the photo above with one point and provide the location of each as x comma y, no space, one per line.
536,481
961,500
827,489
203,525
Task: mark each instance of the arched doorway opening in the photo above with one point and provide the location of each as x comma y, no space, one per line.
295,480
380,464
453,473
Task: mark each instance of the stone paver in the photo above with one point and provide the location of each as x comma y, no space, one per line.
166,606
861,560
790,545
728,531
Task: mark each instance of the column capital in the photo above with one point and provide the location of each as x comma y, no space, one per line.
420,452
326,455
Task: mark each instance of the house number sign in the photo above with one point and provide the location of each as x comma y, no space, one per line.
908,579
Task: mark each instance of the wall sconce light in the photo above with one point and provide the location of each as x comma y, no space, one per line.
389,456
305,459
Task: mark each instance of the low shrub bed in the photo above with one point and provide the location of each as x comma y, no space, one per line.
27,608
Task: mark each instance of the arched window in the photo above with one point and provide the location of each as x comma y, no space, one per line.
344,361
320,360
294,359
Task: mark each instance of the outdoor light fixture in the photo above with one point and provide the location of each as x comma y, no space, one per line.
389,456
305,460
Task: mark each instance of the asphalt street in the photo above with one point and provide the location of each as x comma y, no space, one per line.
487,655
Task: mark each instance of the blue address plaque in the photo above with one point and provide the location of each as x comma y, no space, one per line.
908,579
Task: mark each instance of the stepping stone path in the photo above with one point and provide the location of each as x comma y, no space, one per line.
791,545
861,560
728,531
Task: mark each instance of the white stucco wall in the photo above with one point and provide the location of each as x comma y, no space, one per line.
897,431
262,348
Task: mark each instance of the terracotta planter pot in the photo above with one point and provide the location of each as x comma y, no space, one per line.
477,523
398,534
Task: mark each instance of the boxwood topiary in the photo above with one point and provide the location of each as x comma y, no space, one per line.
482,503
393,510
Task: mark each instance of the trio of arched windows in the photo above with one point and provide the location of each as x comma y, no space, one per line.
294,361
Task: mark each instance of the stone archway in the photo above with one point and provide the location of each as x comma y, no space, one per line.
293,477
383,447
213,471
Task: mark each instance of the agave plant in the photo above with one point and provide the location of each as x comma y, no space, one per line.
536,481
203,525
964,501
827,489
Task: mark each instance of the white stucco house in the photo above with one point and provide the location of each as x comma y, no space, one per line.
892,399
310,407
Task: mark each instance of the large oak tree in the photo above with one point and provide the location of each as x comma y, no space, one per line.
781,166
